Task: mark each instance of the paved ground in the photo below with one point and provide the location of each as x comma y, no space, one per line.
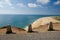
32,36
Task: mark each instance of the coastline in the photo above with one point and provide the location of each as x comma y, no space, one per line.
40,25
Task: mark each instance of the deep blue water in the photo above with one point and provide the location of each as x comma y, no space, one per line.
19,20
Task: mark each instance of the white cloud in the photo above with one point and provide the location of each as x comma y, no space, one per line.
8,2
57,3
31,5
5,3
43,1
21,5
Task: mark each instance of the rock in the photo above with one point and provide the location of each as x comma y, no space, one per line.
9,30
30,28
50,27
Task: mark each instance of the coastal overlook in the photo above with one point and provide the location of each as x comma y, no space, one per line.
29,19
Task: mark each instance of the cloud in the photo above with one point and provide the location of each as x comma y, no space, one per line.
1,6
40,6
31,5
43,1
6,11
21,5
5,3
12,7
2,11
57,2
8,2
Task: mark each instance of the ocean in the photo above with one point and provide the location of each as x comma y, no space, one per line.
20,21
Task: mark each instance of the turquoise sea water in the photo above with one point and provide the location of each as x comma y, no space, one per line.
20,21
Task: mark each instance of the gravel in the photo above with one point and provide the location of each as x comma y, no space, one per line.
54,35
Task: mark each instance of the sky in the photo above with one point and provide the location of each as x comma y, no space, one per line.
30,7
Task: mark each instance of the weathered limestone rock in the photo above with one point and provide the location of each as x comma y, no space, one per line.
9,30
50,27
30,28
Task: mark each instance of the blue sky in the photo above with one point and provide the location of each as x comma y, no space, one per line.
38,7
